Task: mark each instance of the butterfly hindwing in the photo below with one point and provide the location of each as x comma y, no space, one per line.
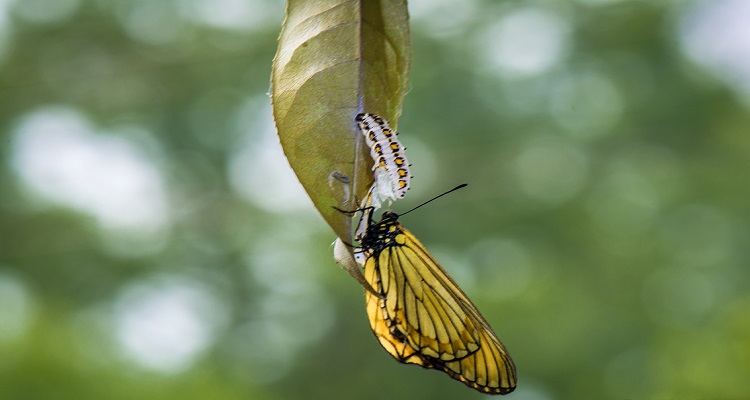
397,346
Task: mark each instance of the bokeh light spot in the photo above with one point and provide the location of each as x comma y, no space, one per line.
16,311
165,323
504,267
441,18
44,11
625,202
679,297
235,14
586,105
551,170
525,42
62,160
716,36
152,22
698,236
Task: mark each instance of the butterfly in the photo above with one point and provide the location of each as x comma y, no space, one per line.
423,317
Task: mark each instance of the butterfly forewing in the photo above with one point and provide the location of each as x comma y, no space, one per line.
433,320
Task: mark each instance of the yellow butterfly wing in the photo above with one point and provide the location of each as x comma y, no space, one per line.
424,318
396,345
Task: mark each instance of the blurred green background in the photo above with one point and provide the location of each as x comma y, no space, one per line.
155,244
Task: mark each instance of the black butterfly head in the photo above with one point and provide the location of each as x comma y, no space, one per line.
388,217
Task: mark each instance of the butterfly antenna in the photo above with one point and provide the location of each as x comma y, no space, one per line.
463,185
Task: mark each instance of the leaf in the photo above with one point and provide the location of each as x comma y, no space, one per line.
335,60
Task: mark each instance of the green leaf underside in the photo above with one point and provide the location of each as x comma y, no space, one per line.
337,59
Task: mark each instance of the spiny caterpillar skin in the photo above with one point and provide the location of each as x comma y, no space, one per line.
388,154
